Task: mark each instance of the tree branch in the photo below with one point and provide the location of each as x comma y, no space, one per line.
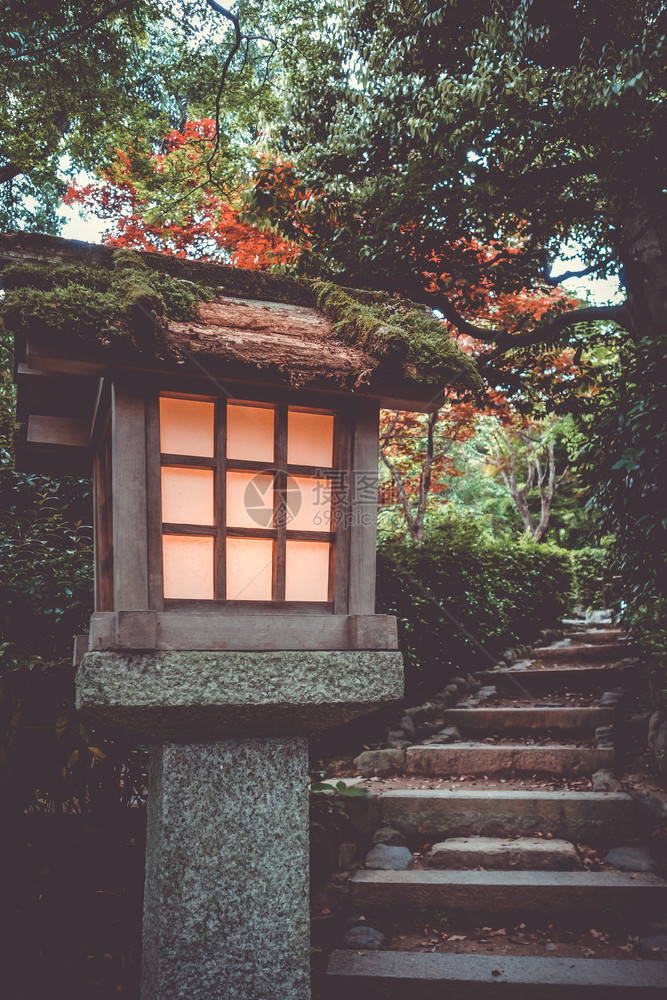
566,275
436,300
546,494
238,38
403,496
426,476
549,332
219,9
506,341
387,437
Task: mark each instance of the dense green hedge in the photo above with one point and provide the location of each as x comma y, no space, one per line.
501,591
596,585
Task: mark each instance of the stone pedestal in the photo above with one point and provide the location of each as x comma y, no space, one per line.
190,696
226,905
226,901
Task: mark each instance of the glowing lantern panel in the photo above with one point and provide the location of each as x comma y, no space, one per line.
310,439
187,495
265,557
307,571
188,567
186,427
249,569
250,432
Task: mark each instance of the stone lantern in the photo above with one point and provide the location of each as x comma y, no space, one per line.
235,489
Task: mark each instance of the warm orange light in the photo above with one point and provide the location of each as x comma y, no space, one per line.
249,500
308,503
191,493
186,427
188,567
310,439
249,569
250,432
187,495
307,571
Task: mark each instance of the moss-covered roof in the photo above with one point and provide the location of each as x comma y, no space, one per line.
398,332
118,302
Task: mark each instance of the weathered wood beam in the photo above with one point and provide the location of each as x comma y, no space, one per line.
60,431
364,487
130,528
174,630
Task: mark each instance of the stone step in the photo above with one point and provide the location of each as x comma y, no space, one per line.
598,635
576,652
524,892
485,758
585,719
552,678
396,975
596,818
527,853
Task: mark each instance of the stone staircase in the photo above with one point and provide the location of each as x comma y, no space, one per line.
509,852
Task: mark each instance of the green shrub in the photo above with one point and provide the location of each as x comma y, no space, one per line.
596,585
500,591
649,629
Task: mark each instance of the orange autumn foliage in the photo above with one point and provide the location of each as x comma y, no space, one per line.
201,222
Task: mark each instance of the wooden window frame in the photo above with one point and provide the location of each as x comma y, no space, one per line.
337,602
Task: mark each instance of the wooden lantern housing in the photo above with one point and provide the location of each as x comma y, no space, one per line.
235,489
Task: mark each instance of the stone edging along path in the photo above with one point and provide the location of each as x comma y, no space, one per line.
500,813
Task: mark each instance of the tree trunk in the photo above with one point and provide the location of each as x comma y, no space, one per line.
414,517
546,480
644,274
540,472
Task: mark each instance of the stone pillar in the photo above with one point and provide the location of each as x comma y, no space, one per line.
226,901
226,905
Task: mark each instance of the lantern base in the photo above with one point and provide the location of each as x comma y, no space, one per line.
226,900
189,696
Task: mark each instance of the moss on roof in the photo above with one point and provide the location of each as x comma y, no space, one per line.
125,304
403,334
129,302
